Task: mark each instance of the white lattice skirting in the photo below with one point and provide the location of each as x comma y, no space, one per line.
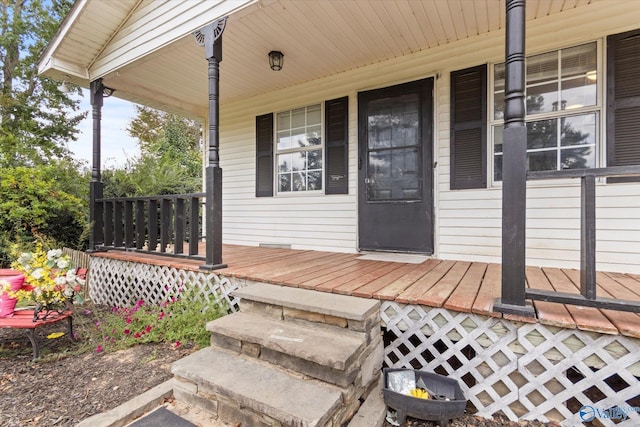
527,371
122,283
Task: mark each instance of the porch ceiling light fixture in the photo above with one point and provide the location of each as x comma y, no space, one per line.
276,59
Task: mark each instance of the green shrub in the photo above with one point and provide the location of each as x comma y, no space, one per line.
33,203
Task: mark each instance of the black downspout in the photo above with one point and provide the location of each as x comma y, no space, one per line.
96,234
514,167
213,171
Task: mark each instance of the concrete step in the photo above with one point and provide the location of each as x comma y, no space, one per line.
287,303
243,389
330,355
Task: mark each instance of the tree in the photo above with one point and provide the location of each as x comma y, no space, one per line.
37,119
164,135
170,161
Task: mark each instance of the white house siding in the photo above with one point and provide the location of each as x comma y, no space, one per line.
467,222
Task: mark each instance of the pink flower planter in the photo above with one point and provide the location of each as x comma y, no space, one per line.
16,280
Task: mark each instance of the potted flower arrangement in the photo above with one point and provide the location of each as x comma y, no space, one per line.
50,281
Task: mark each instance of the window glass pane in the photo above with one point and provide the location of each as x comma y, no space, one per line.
578,158
542,98
498,91
315,180
284,182
579,61
542,68
497,167
284,162
298,118
542,160
314,159
578,92
313,136
298,138
498,77
284,120
578,130
314,116
299,181
498,102
497,139
299,161
284,140
542,134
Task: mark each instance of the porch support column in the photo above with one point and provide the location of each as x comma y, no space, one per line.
213,172
514,167
96,233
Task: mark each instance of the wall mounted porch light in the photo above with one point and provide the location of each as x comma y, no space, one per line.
64,87
276,59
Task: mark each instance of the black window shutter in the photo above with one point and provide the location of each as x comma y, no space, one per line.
469,128
264,155
337,146
623,101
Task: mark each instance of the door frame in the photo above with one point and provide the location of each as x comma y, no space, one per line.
426,88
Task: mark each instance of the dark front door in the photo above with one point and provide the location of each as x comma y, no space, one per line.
395,191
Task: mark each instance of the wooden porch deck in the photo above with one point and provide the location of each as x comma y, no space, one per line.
460,286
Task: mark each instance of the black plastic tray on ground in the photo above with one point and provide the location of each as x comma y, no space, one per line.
440,410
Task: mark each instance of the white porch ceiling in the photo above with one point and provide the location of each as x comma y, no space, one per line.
318,38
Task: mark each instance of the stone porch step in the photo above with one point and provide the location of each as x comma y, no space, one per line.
329,354
332,305
243,389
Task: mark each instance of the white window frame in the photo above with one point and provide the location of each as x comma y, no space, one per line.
284,151
598,109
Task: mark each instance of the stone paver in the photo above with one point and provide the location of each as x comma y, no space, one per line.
302,299
249,383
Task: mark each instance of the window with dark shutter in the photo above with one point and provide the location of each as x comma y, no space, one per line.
623,100
337,146
264,155
469,128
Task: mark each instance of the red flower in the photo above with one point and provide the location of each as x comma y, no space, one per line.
137,335
147,329
98,349
127,331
